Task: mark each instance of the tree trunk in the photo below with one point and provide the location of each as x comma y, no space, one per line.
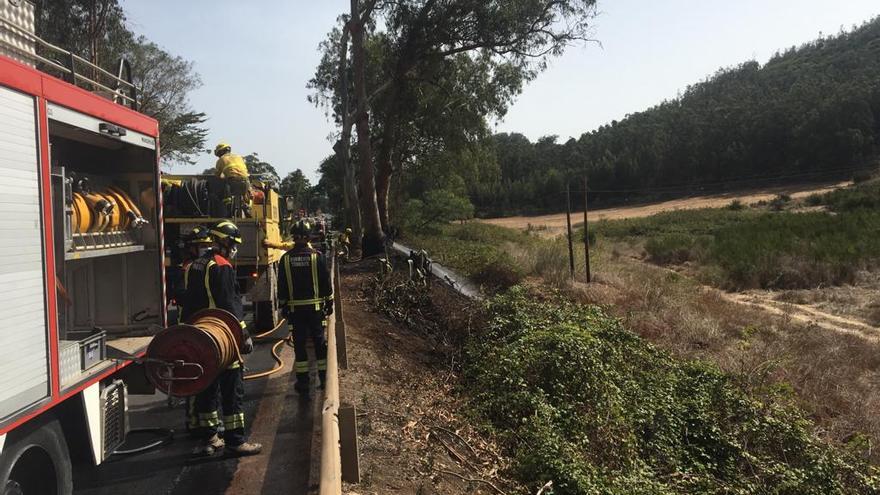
384,170
343,148
374,239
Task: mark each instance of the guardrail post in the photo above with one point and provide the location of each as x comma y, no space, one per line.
348,445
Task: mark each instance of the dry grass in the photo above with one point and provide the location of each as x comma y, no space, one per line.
833,376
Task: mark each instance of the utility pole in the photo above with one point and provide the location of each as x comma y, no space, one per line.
568,222
586,234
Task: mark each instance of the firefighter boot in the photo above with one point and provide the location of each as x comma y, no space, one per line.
210,447
246,448
302,384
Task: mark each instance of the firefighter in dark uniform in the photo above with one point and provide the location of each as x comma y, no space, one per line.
211,283
306,297
195,244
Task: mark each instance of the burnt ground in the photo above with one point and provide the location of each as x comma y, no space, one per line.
414,435
276,416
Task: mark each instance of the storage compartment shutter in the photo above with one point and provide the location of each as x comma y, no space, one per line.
24,377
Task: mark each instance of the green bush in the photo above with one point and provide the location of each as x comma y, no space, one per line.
475,250
736,205
578,400
674,248
758,249
861,196
798,250
814,199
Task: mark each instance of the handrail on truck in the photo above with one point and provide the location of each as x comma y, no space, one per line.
69,70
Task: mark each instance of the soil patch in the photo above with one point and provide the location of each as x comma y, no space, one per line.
414,438
553,225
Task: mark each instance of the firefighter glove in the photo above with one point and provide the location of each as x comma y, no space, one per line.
248,346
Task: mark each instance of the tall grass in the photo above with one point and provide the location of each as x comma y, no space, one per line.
760,249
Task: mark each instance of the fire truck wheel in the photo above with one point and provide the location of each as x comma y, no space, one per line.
37,463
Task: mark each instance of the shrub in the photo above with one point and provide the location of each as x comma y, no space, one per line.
862,196
673,248
814,199
498,274
778,203
736,205
577,399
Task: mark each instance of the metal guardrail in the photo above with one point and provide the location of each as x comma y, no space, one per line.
331,460
69,70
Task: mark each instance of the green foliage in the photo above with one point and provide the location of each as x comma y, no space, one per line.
809,111
260,168
736,205
865,195
164,80
755,249
437,207
577,399
704,222
674,248
814,200
796,250
477,251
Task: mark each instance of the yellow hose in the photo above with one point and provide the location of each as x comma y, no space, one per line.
270,332
227,350
279,363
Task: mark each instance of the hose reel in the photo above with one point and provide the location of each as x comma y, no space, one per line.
108,210
182,360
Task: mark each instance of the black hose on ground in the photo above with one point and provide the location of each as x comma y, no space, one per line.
167,436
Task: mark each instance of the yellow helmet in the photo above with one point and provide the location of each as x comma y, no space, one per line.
222,148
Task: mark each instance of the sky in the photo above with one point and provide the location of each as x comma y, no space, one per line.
255,58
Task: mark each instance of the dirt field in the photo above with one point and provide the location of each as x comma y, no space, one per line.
413,438
551,225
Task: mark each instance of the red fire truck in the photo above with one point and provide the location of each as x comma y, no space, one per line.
80,257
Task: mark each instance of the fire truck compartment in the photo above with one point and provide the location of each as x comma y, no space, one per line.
106,242
24,344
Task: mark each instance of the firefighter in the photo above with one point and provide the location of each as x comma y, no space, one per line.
306,298
344,241
210,283
195,244
233,170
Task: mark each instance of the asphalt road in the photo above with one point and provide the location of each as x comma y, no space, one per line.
276,416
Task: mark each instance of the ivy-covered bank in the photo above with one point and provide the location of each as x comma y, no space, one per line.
579,400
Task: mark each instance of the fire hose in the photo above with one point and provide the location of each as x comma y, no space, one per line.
209,341
279,363
105,211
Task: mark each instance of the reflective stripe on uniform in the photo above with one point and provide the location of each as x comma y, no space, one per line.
306,302
211,303
209,420
302,366
322,365
314,263
234,421
289,281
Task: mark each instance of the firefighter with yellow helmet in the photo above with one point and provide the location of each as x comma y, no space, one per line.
306,298
211,283
233,170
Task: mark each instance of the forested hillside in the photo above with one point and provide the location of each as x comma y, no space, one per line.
809,112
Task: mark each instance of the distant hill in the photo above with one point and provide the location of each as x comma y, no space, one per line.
810,111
